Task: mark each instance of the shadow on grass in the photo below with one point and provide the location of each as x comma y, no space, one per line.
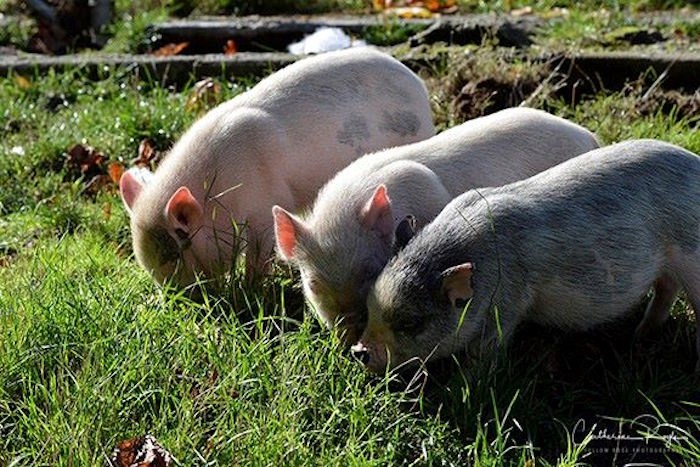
619,401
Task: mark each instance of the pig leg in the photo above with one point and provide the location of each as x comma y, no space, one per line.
691,285
693,292
259,249
258,255
688,271
694,298
665,291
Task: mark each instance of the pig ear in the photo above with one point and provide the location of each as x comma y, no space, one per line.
288,230
457,282
183,210
376,214
129,188
404,232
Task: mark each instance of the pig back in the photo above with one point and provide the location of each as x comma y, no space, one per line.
504,147
591,235
338,106
489,151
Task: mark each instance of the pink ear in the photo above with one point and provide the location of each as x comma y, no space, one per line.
129,187
288,229
376,214
457,282
183,210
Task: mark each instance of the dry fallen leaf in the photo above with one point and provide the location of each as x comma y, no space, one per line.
380,5
147,155
230,48
410,12
22,82
115,171
84,160
142,451
434,6
169,50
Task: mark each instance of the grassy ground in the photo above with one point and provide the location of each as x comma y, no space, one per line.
92,352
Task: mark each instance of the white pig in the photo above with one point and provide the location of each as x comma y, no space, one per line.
343,244
274,144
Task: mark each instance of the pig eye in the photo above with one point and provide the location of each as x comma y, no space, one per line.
410,327
183,239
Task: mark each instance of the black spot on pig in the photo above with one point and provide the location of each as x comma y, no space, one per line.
401,122
354,131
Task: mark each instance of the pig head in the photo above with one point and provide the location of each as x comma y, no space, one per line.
341,253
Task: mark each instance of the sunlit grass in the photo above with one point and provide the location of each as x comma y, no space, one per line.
92,352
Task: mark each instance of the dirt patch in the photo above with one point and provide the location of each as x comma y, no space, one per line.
488,95
671,103
633,35
486,81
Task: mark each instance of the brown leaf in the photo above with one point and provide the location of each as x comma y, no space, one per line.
22,82
142,451
410,12
380,5
230,48
147,154
115,171
205,94
432,5
169,50
84,160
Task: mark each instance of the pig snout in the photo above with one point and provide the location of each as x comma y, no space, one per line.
373,357
349,334
351,324
360,352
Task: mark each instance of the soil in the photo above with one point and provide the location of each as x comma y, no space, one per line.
672,102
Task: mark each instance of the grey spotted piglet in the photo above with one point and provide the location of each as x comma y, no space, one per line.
277,143
343,244
574,247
